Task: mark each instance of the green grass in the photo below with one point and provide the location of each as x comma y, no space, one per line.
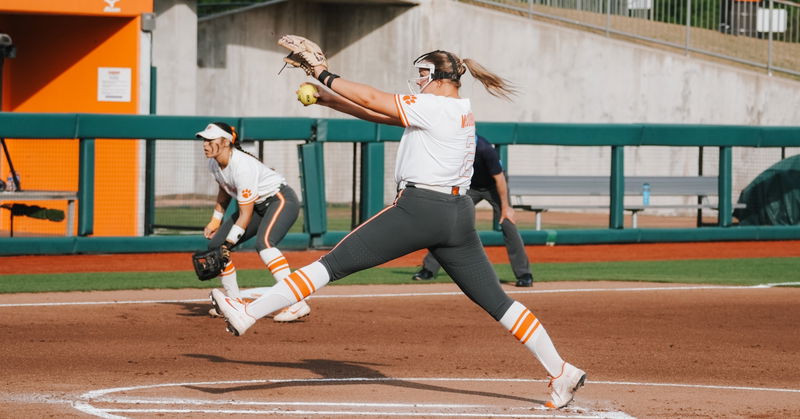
194,218
339,218
708,271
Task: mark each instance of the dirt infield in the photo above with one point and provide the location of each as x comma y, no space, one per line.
417,350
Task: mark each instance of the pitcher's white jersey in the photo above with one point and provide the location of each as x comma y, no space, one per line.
438,144
246,178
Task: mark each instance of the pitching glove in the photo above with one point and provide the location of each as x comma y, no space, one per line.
304,53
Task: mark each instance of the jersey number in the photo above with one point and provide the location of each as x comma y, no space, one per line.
469,158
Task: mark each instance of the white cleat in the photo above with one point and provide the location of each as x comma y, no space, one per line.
294,312
213,312
216,314
563,387
234,311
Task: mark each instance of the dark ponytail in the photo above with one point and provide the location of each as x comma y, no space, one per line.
237,144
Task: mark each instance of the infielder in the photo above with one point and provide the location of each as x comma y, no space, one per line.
267,209
431,209
489,183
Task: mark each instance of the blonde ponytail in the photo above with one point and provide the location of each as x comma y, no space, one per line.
494,84
450,68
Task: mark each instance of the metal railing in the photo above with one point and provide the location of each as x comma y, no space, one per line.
763,34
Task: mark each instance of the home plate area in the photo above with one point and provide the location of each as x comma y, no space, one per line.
367,397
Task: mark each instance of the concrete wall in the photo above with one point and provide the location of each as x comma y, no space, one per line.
180,165
175,56
563,75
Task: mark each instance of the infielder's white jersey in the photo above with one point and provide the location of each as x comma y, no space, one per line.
438,144
246,178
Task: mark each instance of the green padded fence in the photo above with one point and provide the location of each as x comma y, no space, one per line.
88,127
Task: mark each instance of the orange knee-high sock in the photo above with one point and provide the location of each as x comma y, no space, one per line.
229,283
530,332
276,263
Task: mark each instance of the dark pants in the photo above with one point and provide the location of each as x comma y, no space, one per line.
271,220
419,219
514,245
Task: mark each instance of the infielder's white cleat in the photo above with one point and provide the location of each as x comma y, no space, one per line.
295,311
215,314
563,387
234,311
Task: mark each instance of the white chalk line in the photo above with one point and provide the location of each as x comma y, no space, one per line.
612,415
34,398
430,294
198,402
303,408
348,408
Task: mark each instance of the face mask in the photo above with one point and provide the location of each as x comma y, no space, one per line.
420,82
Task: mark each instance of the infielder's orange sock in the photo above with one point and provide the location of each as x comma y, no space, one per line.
295,287
229,283
527,329
276,263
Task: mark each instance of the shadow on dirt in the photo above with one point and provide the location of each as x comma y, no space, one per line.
193,309
340,371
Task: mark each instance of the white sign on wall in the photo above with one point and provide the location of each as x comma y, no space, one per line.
778,20
640,4
113,84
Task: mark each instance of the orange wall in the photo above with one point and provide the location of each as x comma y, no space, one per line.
79,7
56,70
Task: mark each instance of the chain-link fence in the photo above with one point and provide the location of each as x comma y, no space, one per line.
185,191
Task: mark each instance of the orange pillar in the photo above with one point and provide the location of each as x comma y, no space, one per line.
77,56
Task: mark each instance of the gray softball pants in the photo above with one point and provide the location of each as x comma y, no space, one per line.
271,220
515,248
419,219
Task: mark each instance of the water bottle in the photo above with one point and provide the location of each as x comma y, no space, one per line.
646,194
11,186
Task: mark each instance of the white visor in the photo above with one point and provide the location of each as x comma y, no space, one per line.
213,131
418,83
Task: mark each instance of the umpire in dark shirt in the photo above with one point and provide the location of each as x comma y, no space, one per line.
489,183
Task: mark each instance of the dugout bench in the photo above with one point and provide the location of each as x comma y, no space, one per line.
521,186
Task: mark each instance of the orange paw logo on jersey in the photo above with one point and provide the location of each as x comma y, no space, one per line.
409,99
246,193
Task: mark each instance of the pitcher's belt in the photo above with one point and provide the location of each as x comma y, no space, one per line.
450,190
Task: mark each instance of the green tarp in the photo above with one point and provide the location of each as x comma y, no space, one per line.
773,197
35,211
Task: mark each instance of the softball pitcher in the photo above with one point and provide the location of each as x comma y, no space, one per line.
267,209
431,209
